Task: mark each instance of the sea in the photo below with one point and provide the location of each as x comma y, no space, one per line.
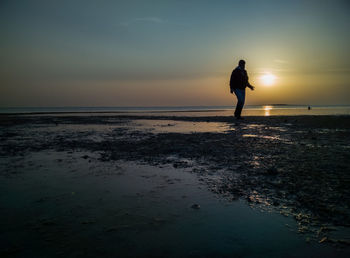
249,110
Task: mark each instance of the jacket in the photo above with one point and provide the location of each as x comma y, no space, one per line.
239,79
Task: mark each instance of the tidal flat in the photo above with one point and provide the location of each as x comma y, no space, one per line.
175,186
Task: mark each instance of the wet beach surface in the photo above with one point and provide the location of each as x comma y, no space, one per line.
156,185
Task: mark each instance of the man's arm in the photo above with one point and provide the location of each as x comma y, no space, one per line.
250,86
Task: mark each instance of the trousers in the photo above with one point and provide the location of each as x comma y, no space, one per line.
240,94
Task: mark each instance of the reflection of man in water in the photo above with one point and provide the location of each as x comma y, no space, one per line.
238,83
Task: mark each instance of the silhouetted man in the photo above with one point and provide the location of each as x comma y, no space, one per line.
238,83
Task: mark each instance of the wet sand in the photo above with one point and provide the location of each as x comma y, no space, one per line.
174,186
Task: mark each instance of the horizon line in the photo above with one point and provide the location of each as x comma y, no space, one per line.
173,106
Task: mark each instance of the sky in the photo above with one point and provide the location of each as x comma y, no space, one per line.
172,53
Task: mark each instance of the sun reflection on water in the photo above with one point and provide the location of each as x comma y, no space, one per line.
267,110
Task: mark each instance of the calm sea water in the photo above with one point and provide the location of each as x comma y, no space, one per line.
262,110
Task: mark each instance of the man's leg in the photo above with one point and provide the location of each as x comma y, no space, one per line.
240,94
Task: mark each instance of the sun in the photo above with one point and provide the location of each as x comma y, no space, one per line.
268,79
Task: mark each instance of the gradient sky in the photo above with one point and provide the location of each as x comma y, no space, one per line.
172,53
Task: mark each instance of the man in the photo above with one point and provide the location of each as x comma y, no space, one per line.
238,83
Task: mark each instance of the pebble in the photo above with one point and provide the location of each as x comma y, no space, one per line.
196,206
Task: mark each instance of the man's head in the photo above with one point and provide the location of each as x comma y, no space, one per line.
241,63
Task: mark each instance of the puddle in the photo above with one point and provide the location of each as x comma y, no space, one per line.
171,126
154,126
253,126
263,136
326,130
278,128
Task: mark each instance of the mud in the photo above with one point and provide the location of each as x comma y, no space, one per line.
298,166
